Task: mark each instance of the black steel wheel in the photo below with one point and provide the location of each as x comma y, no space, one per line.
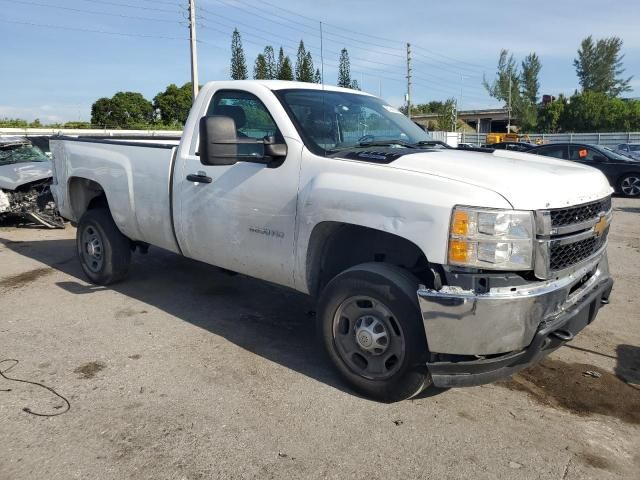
104,252
372,330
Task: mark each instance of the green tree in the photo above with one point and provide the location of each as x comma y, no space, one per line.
529,80
599,66
527,108
446,120
344,69
285,72
550,115
507,79
36,123
123,110
280,61
101,112
270,60
518,90
77,125
317,77
172,106
238,63
304,65
13,123
587,112
260,68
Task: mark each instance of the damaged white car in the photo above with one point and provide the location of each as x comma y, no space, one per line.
25,178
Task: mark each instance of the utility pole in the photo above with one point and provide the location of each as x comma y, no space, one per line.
409,80
321,57
194,48
509,106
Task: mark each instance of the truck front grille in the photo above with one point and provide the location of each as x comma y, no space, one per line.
564,217
567,237
565,256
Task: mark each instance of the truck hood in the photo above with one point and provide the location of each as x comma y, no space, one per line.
526,181
15,175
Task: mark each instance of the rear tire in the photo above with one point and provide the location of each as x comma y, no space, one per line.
104,252
372,330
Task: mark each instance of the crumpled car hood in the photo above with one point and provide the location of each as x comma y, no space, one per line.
527,181
14,175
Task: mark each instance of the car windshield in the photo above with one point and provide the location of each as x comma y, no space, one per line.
634,147
21,153
330,121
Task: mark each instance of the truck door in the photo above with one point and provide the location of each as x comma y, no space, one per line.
243,220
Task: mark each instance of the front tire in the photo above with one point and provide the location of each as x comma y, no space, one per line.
629,185
104,252
372,331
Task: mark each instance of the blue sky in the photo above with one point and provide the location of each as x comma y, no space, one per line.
55,73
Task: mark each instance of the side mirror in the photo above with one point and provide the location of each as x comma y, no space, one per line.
220,145
218,139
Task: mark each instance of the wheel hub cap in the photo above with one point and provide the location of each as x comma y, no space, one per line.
631,186
371,335
91,249
368,338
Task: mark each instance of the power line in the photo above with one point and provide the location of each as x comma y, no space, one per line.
434,53
139,7
91,12
87,30
207,18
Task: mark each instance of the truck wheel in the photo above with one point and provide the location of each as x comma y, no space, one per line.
104,252
372,329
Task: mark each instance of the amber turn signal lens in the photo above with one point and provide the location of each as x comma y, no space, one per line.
460,223
459,251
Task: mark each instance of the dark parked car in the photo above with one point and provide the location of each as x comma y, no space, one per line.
622,172
513,146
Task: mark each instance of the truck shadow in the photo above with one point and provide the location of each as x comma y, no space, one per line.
271,321
628,364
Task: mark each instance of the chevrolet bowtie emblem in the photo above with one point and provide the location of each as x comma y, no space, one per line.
600,227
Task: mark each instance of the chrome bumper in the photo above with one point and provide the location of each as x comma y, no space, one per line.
461,322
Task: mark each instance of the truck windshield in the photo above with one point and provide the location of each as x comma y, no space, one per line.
329,121
21,153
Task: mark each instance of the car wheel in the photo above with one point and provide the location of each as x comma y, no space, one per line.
104,252
630,185
372,331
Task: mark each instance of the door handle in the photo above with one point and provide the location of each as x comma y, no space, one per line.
199,177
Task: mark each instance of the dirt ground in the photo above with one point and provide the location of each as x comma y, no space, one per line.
184,372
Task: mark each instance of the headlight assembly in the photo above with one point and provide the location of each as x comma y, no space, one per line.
491,239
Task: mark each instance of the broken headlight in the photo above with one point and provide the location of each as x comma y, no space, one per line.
491,239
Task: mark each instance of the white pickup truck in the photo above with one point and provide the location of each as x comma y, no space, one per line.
431,266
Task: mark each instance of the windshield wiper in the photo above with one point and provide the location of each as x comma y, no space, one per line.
387,143
432,143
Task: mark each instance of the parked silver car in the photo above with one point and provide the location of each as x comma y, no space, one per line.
630,149
25,178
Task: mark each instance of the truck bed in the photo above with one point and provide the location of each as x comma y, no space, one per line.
135,174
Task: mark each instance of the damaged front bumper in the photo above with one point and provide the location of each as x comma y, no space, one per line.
476,338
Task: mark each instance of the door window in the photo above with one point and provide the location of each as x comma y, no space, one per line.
580,153
557,151
251,116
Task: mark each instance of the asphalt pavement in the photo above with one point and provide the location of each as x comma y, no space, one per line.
185,372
